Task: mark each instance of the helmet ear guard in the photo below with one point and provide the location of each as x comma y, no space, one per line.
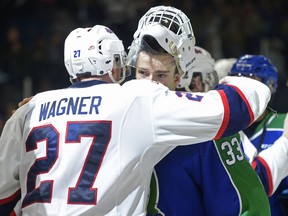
92,52
202,67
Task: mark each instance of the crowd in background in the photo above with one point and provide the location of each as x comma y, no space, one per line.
32,34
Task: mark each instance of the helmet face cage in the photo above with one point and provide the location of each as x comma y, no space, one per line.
257,66
94,52
170,17
173,31
204,69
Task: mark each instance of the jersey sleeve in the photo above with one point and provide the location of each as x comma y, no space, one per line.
189,118
9,179
244,100
271,165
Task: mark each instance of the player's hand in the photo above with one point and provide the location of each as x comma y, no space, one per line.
285,128
21,103
24,101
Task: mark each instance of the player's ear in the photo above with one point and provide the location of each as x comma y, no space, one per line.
177,78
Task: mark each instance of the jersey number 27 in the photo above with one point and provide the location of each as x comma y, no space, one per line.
82,193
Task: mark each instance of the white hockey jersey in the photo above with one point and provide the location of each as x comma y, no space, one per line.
90,149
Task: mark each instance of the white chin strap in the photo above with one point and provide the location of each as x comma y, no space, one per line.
113,80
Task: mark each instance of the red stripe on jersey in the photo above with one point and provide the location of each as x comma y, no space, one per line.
13,213
9,199
269,175
254,164
226,114
246,102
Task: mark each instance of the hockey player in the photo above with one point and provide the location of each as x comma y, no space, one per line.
267,132
185,181
90,149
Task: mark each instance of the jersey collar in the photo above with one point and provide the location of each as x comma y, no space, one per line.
87,84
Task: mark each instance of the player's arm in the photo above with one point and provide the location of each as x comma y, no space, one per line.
10,156
198,117
259,164
271,163
244,101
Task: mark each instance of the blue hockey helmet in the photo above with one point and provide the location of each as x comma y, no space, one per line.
257,66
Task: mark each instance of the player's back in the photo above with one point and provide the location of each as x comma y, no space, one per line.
75,137
185,186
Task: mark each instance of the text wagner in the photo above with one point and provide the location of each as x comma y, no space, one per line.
73,106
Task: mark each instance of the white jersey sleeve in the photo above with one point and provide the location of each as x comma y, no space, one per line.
276,158
273,159
205,111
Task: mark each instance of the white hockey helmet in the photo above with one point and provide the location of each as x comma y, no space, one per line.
223,66
172,30
203,67
94,52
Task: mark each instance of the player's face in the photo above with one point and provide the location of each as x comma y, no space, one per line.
159,68
196,84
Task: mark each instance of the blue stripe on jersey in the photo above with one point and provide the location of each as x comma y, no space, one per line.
236,104
7,205
264,173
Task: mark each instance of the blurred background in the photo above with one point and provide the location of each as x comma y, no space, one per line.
32,34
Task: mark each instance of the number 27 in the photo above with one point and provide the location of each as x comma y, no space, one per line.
76,53
82,193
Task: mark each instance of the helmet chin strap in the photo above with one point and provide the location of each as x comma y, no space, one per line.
110,74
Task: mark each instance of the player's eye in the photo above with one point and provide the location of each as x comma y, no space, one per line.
143,73
162,76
